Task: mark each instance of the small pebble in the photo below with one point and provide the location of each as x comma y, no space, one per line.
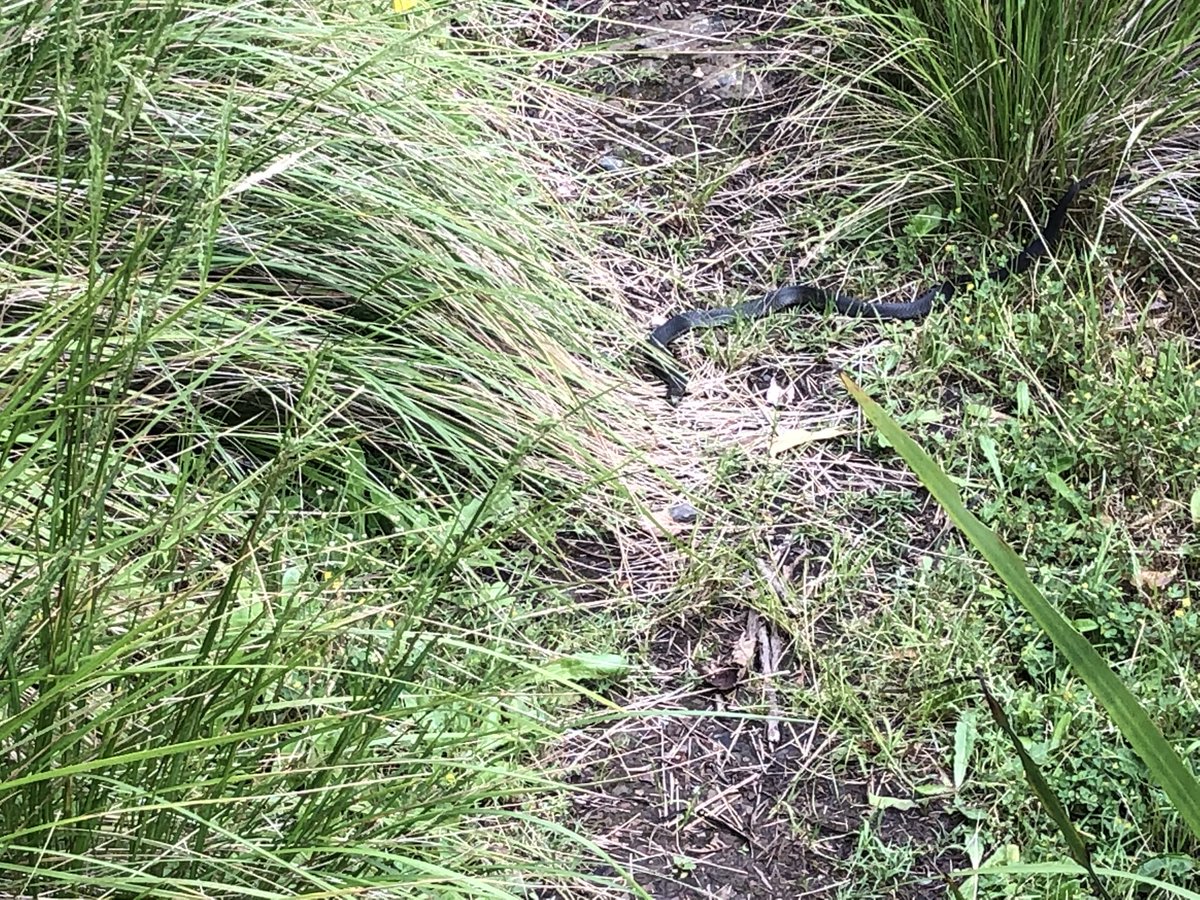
728,78
684,513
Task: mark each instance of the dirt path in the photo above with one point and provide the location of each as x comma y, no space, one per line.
691,796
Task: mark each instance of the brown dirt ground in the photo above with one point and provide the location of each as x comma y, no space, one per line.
694,799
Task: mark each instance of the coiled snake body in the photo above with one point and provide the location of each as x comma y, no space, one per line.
805,295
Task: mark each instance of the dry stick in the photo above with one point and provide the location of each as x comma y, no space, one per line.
770,650
770,653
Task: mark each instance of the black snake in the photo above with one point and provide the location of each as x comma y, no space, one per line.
805,295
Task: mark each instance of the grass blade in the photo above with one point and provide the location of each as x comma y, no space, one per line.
1045,793
1071,868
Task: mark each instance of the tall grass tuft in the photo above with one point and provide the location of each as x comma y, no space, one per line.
995,100
287,339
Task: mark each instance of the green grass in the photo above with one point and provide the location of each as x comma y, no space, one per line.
1067,429
980,104
294,382
288,345
1072,408
1066,422
1089,480
1163,764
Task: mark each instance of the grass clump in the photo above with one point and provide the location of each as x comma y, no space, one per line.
286,343
998,100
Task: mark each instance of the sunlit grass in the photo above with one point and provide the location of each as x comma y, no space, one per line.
288,345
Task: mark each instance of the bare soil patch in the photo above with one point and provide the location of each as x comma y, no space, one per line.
694,799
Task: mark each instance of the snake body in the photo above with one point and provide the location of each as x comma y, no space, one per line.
810,296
